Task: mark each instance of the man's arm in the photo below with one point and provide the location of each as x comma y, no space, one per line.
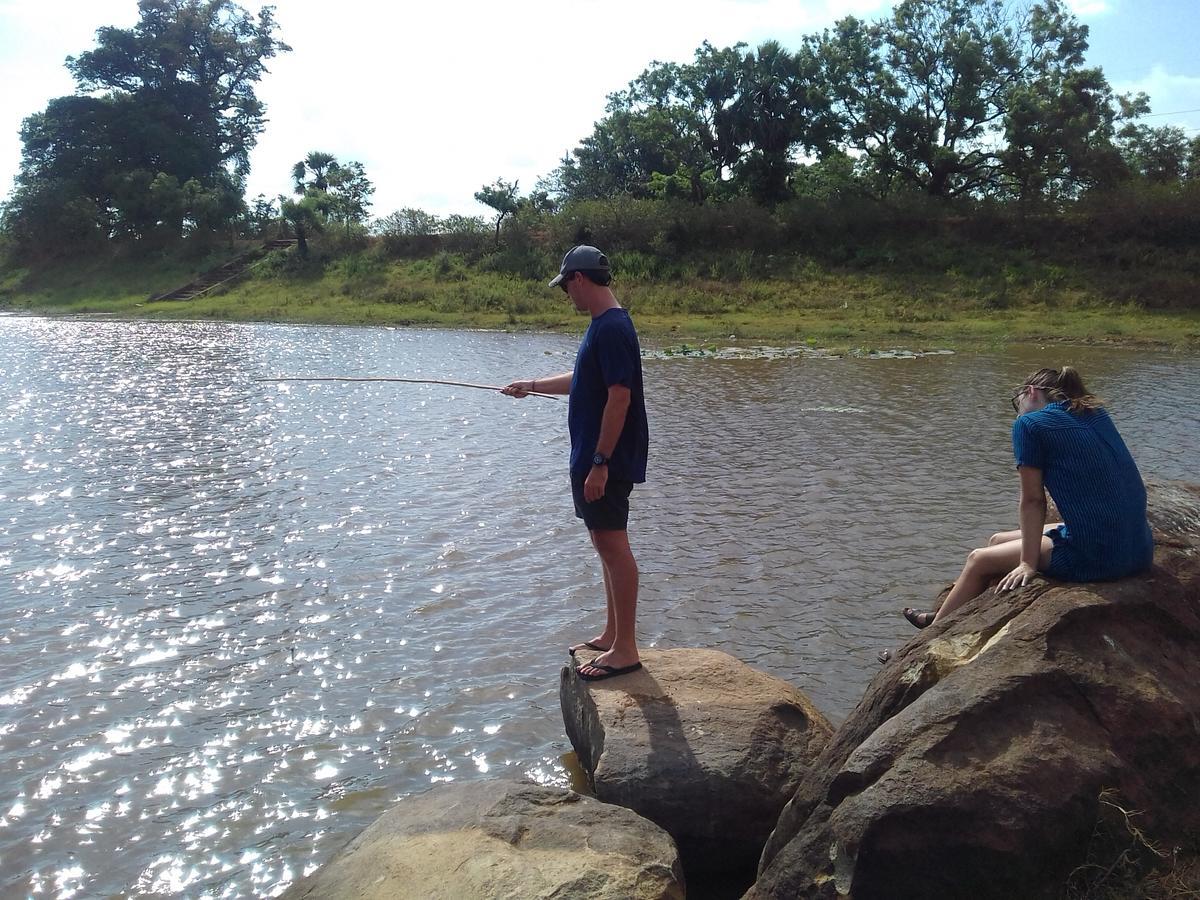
611,425
551,384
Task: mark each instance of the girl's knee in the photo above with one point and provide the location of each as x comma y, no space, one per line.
998,538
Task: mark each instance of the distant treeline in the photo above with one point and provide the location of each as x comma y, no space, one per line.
948,98
1137,239
944,117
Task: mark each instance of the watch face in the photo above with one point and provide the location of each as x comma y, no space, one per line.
598,459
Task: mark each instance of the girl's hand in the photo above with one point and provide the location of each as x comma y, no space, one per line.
1017,578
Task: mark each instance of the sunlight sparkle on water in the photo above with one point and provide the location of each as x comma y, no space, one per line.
340,597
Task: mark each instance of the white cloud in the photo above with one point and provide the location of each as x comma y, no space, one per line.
1169,93
1090,8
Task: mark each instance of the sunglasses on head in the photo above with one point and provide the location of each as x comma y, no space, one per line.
1015,400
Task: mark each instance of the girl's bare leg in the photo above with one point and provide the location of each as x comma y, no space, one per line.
1003,537
983,565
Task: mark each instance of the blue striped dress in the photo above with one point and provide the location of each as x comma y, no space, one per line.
1096,485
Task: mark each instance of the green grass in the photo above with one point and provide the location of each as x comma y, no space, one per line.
99,284
896,301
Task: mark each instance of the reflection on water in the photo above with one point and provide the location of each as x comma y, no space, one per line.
240,619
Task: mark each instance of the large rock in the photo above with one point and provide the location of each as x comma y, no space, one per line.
498,839
976,762
700,743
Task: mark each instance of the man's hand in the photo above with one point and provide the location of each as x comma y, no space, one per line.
518,389
594,484
1018,577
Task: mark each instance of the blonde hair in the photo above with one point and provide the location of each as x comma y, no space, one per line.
1064,384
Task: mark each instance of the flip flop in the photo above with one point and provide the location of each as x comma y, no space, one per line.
589,646
917,618
607,671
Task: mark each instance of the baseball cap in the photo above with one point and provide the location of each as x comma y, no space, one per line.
581,258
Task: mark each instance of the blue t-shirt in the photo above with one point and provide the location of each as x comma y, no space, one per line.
609,354
1097,487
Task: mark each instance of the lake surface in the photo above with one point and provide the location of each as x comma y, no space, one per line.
238,620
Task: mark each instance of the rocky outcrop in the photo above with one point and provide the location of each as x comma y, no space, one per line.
701,744
976,762
497,839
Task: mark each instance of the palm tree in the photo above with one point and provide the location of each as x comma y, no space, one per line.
319,165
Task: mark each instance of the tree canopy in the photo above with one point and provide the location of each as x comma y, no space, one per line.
326,191
503,197
972,98
157,137
681,130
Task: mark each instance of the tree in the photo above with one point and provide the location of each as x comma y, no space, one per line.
672,126
501,196
351,191
260,214
930,94
312,172
1059,134
778,109
1160,155
305,215
198,58
340,192
833,177
685,130
173,97
407,221
464,225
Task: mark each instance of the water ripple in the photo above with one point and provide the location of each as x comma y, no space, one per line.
241,619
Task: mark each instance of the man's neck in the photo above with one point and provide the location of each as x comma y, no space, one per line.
603,302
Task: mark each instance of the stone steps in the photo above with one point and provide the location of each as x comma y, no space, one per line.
205,282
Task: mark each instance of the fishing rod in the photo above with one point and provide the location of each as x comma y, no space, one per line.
466,384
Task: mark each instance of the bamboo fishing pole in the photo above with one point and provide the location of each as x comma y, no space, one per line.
466,384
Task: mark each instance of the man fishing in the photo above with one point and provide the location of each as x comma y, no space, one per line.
609,441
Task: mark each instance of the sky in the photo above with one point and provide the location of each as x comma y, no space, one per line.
437,99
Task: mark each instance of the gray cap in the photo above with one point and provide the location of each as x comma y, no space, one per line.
581,258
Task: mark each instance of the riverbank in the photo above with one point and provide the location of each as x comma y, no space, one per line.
797,300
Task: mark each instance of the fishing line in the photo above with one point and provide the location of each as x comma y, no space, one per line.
466,384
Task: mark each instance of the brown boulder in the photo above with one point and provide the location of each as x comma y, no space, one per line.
499,839
975,764
701,744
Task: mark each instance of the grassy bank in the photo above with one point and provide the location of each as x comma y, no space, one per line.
892,298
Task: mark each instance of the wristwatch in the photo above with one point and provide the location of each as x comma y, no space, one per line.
599,459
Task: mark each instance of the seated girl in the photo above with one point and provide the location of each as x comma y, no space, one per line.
1064,442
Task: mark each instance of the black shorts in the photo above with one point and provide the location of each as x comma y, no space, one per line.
610,512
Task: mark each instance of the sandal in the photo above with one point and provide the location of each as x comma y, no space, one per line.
587,645
918,618
604,671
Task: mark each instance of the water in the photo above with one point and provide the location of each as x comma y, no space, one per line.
238,620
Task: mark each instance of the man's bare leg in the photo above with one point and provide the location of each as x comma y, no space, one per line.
605,639
622,585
